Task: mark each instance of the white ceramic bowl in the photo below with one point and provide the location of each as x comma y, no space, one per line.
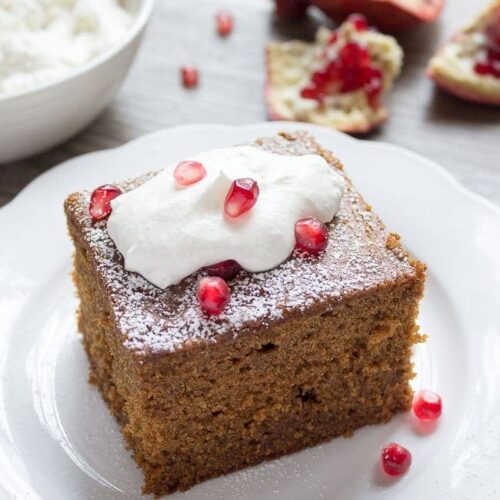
49,114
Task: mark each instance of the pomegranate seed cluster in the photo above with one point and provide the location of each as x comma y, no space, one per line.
488,62
351,69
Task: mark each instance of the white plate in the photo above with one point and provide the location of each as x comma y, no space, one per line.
57,439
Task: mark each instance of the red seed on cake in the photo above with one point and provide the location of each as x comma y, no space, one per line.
358,21
188,172
427,405
224,22
395,459
241,197
190,76
311,235
100,201
228,269
213,294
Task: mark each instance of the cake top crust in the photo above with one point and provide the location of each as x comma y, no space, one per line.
361,256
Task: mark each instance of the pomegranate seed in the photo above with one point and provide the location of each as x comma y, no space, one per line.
395,459
310,92
189,76
492,32
320,77
228,269
373,86
352,55
224,22
213,294
427,405
333,38
311,235
358,21
291,9
188,172
494,55
241,197
100,201
489,62
482,68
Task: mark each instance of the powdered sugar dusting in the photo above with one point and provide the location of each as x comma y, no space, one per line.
154,320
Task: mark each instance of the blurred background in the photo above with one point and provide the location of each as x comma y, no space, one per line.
463,137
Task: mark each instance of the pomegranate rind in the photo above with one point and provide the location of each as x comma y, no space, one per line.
466,89
387,15
452,68
290,9
289,66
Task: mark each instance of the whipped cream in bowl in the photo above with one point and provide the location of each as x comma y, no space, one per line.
42,41
165,232
61,62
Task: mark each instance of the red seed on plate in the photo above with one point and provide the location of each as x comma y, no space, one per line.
213,294
358,21
395,459
228,269
190,76
241,197
224,22
188,172
427,405
100,201
311,235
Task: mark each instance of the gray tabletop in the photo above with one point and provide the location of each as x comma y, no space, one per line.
462,137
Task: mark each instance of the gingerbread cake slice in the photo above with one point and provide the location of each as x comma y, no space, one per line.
312,349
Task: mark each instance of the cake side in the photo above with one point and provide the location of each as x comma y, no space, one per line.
214,408
216,395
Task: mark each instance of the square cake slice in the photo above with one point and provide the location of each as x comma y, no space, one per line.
313,349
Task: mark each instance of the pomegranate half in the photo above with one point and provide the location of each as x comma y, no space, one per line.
468,66
338,81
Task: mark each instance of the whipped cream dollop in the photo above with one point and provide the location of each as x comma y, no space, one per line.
165,232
